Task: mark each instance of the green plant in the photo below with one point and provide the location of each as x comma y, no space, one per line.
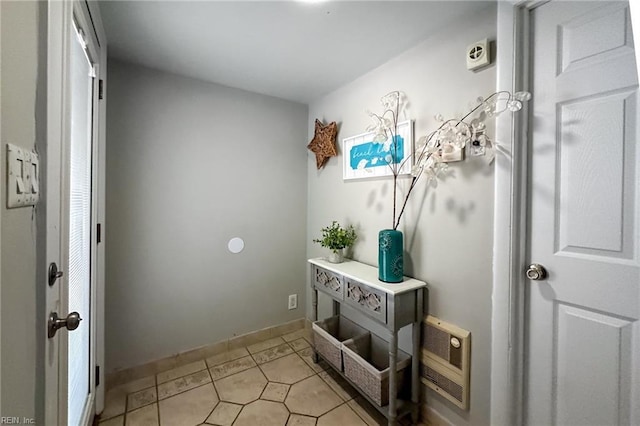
336,237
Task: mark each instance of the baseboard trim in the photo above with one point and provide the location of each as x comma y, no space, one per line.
431,417
163,364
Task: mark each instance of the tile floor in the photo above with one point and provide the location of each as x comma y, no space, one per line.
274,382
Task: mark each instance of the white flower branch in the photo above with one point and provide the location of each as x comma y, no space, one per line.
456,132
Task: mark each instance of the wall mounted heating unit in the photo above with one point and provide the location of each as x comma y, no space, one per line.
446,355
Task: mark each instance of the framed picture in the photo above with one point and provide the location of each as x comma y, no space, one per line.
364,158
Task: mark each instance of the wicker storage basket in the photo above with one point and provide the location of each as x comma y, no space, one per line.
366,364
328,335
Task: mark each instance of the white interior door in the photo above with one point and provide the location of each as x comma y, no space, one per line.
583,345
71,212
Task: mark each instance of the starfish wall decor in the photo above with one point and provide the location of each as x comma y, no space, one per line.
323,143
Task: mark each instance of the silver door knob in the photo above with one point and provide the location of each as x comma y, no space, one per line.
536,272
71,322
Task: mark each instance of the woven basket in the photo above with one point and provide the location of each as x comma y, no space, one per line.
366,363
329,334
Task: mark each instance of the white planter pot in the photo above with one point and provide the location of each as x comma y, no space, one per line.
336,256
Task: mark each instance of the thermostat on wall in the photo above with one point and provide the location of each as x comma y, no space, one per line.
478,55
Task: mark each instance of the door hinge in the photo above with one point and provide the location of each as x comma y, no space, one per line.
99,233
100,89
97,375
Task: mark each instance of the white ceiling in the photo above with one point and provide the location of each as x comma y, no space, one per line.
293,50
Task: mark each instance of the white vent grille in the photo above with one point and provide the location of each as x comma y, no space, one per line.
445,384
478,55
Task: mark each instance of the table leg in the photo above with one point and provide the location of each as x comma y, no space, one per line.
314,317
336,308
415,360
393,378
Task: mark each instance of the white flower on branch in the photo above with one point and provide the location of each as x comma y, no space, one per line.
456,132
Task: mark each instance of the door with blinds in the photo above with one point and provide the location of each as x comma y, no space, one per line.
79,349
71,212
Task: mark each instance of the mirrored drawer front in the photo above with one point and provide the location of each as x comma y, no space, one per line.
328,282
366,299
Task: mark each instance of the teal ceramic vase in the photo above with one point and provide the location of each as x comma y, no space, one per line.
390,252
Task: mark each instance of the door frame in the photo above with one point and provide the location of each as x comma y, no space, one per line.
59,16
510,251
634,7
99,207
1,174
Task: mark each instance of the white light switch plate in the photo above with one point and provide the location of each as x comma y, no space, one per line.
451,153
293,301
23,177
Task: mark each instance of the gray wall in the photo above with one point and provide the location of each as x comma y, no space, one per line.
190,165
19,328
448,230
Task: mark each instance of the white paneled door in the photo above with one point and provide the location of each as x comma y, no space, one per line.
583,345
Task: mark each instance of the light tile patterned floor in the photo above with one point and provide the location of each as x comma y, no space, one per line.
274,382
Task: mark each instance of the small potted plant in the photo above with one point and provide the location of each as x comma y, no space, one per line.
337,238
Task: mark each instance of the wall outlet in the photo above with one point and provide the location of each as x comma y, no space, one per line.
477,150
293,301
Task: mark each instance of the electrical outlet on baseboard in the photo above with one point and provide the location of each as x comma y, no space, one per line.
293,301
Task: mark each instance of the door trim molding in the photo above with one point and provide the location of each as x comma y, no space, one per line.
2,173
510,219
59,18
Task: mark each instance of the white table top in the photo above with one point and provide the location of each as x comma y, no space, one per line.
368,275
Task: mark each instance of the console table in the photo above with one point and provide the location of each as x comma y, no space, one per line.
391,305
